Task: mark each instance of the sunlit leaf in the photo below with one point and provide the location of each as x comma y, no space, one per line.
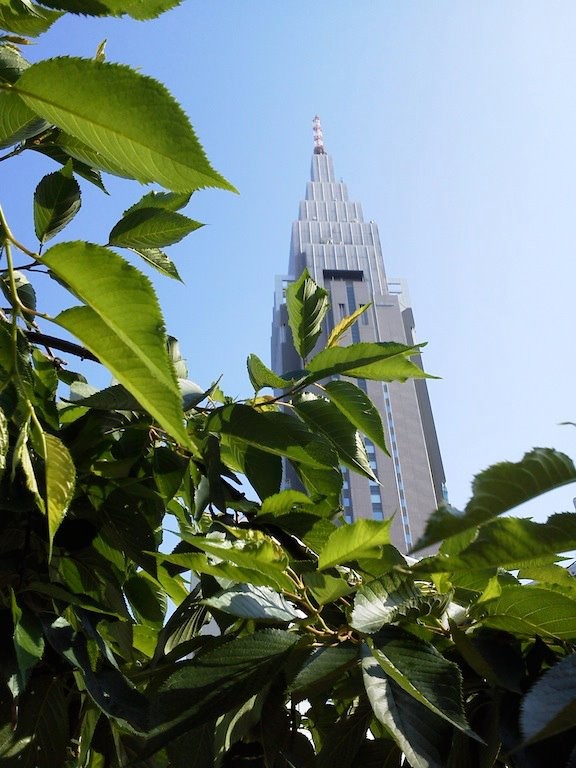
151,228
127,117
531,610
25,18
346,322
60,482
261,376
122,325
17,121
307,305
382,361
350,542
137,9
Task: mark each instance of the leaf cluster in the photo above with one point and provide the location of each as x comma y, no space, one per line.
152,612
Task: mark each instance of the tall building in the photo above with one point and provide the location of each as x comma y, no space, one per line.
343,254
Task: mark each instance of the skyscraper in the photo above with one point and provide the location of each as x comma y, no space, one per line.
343,254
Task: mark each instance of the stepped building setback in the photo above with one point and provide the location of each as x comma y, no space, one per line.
343,254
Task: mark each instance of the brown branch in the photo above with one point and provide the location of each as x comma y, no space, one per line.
61,344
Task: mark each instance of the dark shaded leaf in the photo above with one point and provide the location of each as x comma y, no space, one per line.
358,408
549,707
214,683
159,260
499,489
323,417
418,732
56,202
420,670
274,432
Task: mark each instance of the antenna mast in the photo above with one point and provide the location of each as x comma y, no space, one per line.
318,136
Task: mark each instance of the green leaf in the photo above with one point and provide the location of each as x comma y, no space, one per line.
283,502
122,325
251,602
24,289
24,18
361,538
130,119
166,201
59,155
549,707
344,324
215,682
418,668
40,736
383,601
56,202
419,733
261,575
321,669
107,686
263,470
60,483
358,408
17,121
158,259
151,228
147,600
511,543
28,644
307,305
113,398
500,488
274,432
12,64
326,589
137,9
381,361
261,376
530,610
323,417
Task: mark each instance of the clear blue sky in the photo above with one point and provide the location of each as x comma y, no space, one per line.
453,123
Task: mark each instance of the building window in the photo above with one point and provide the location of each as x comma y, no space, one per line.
342,310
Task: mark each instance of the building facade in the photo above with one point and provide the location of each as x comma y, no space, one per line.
343,254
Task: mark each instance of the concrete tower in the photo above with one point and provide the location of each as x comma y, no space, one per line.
343,254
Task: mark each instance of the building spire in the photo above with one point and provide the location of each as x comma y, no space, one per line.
318,136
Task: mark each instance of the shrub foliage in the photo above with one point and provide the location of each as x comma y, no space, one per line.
268,633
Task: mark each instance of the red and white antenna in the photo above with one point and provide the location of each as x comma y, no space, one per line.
318,136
